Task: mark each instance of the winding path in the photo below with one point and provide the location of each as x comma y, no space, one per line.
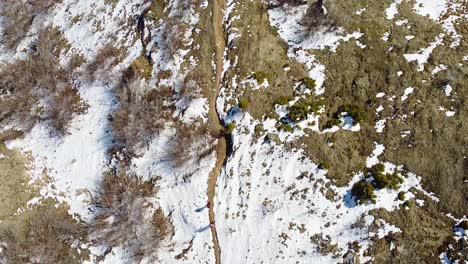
214,120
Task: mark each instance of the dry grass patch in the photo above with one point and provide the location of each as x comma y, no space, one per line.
125,216
45,235
142,115
38,88
18,17
191,143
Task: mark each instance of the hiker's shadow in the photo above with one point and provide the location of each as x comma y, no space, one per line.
203,229
198,210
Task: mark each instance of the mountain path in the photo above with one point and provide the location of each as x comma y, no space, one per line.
215,120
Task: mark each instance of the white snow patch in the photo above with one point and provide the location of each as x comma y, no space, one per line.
407,92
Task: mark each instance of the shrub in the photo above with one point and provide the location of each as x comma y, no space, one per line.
18,17
15,23
125,216
363,191
39,88
332,122
190,145
47,235
357,113
260,77
401,196
309,83
301,109
142,67
377,169
283,100
105,58
407,203
141,116
324,165
285,127
243,103
229,128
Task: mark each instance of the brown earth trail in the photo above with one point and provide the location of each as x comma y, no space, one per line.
213,118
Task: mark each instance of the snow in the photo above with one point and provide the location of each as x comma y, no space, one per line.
448,90
360,11
380,125
392,10
374,158
76,162
423,54
182,195
407,92
270,201
197,109
432,8
380,95
450,113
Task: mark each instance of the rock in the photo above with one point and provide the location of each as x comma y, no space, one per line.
351,258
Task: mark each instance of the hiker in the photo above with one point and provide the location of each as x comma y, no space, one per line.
212,225
208,205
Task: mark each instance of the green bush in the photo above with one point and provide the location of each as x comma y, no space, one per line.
229,128
324,165
357,113
285,127
309,83
332,122
392,181
407,203
363,191
243,103
302,108
401,196
260,77
283,100
377,168
272,115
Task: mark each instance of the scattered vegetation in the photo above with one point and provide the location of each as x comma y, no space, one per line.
401,196
18,17
309,83
142,114
229,128
126,217
357,113
38,88
260,77
243,102
190,145
332,122
44,235
300,110
382,180
363,191
283,100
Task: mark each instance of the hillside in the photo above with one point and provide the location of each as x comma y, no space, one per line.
233,131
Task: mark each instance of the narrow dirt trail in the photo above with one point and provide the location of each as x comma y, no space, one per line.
213,118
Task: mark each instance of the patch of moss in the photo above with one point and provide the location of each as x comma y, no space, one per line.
243,103
260,77
309,83
283,100
142,67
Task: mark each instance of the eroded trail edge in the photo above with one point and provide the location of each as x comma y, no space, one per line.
215,121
